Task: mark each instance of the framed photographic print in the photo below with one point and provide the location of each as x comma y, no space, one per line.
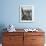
26,13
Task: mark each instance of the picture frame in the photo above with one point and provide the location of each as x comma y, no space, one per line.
26,13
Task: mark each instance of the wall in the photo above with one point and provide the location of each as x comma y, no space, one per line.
10,13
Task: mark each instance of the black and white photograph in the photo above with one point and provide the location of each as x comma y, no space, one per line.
26,13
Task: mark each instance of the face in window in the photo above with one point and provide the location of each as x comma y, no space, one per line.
27,12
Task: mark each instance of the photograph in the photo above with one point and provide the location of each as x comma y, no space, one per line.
26,13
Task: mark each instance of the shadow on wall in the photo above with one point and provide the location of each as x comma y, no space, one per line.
2,26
